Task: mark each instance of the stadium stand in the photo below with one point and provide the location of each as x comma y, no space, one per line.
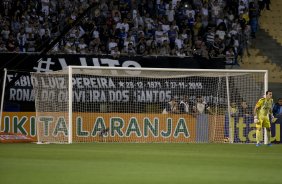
266,48
27,26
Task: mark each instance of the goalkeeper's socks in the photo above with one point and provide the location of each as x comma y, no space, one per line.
257,135
268,134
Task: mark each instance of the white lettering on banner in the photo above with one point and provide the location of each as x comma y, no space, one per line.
104,89
46,65
78,82
86,82
80,95
107,96
118,127
152,96
53,82
110,62
62,96
21,94
27,124
97,96
118,96
23,81
86,96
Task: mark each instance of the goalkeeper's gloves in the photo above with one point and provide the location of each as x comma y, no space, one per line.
256,120
273,119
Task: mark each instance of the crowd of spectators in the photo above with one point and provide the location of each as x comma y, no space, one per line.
210,28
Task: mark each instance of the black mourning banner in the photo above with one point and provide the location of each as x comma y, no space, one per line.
19,93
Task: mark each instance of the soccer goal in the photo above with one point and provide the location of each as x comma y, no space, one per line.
110,104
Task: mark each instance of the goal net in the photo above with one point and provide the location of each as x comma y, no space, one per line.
104,104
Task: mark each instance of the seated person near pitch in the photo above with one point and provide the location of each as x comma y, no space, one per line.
185,105
244,109
171,107
201,107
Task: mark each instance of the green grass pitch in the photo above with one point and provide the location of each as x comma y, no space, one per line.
114,163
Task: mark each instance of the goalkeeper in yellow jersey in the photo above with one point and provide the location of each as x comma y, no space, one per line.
262,112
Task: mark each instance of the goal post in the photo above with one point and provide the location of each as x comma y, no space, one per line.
118,104
3,95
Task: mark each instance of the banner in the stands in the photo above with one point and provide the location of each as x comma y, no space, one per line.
19,95
39,63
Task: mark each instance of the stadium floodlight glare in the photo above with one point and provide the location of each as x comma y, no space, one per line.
118,104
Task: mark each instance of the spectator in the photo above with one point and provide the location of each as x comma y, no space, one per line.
112,44
218,47
243,43
205,14
11,44
82,48
178,42
159,34
141,46
21,38
95,32
3,47
242,7
171,107
172,35
209,37
216,10
198,45
184,105
5,32
161,8
190,12
165,48
230,56
277,109
180,13
180,52
170,12
244,109
153,49
115,53
253,16
221,31
191,22
197,28
138,20
233,109
129,50
200,106
68,47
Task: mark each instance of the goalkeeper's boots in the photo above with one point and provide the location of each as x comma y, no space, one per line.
258,144
269,144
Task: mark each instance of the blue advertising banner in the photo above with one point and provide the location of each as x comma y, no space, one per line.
202,128
243,129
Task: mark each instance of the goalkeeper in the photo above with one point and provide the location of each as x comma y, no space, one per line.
262,111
